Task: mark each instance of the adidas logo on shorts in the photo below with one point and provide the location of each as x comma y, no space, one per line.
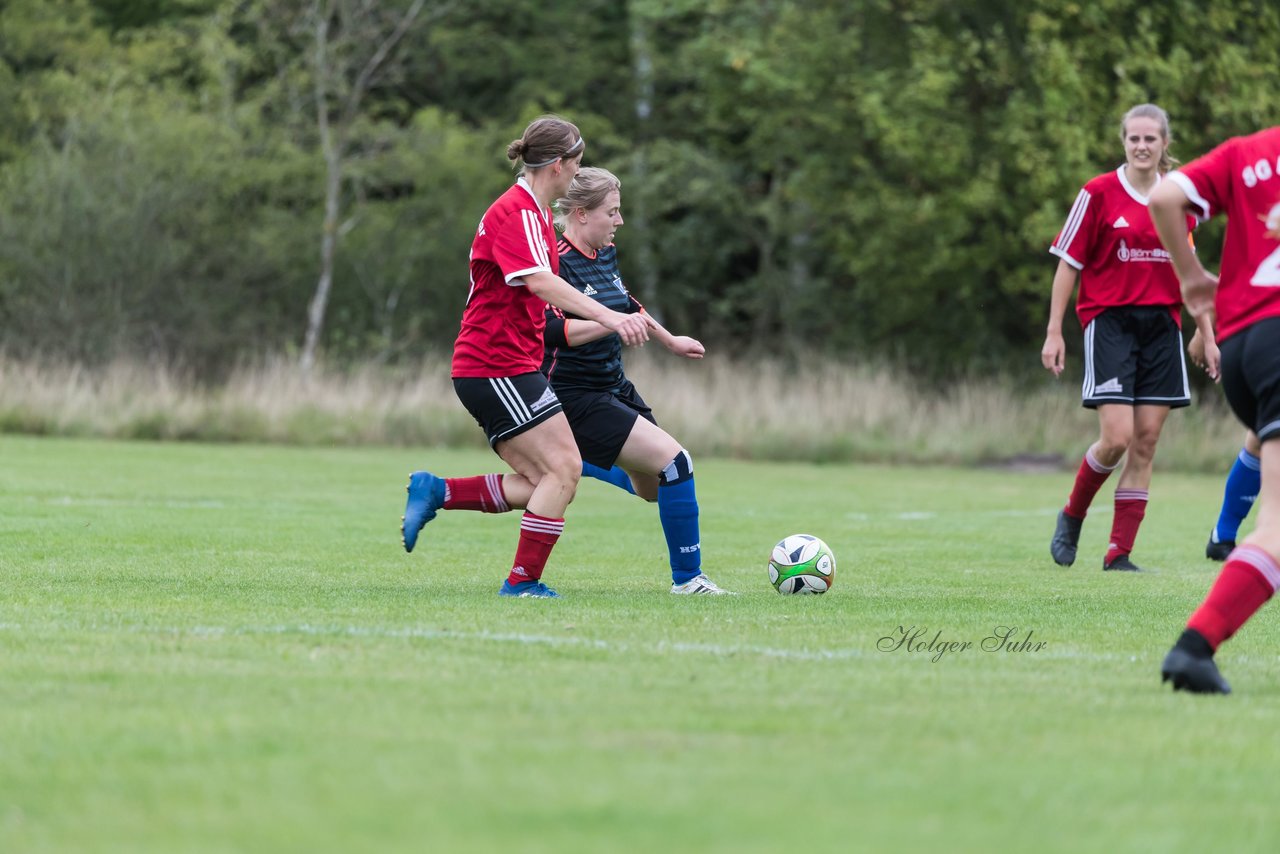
548,398
1111,386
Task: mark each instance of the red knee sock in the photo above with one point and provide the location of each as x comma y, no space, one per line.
1089,480
538,536
1131,506
482,492
1245,584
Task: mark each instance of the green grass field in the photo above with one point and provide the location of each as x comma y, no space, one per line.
224,648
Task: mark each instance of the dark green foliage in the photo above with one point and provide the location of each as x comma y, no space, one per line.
124,14
867,177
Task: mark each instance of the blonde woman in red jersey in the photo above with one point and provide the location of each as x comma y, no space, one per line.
498,354
1241,178
1130,308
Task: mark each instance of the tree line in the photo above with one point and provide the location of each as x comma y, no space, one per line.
204,181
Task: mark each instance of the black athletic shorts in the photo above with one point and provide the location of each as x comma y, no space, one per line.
1132,355
602,421
1251,376
507,406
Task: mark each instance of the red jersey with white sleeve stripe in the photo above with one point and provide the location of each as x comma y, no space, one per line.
502,323
1241,178
1110,239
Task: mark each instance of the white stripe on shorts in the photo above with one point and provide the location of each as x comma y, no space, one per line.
1086,390
1182,354
510,398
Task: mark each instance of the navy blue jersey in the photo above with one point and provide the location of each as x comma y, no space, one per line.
596,365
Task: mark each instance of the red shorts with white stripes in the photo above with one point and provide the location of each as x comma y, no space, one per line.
507,406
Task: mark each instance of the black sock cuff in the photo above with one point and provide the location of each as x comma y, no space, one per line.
1194,643
677,471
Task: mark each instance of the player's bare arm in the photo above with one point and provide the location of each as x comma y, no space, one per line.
1053,354
631,328
681,345
578,332
1169,207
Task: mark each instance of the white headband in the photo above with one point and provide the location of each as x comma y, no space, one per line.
581,143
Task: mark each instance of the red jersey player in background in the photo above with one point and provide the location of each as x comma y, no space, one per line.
1240,178
1131,311
498,354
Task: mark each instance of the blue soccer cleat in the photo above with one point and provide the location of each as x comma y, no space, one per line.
527,590
426,496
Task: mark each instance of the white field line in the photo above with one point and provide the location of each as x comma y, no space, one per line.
905,516
72,501
658,648
926,515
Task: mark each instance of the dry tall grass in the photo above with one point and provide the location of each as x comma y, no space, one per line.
823,412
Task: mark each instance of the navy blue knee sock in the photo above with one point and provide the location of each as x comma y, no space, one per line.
1243,483
615,475
678,512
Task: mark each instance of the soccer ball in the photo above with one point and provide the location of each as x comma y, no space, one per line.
802,563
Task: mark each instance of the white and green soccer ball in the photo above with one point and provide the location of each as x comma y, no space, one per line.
802,563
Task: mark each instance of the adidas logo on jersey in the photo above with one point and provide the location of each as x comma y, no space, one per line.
1120,223
590,291
1111,386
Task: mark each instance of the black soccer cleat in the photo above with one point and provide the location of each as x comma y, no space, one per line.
1195,673
1218,551
1066,537
1120,563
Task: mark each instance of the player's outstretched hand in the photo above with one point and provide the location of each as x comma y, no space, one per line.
690,348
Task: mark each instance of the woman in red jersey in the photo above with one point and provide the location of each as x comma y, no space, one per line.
1241,178
498,353
1130,308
